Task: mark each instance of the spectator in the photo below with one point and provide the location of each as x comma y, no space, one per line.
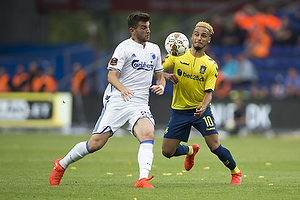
232,35
284,36
295,21
258,26
44,81
223,86
20,80
49,82
230,67
292,84
79,89
259,92
218,25
33,72
277,89
4,80
79,83
37,83
247,74
239,115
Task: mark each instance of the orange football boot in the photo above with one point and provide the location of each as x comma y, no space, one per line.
189,160
57,173
236,179
144,183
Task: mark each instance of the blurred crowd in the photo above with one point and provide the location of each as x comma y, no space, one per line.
238,77
256,31
38,79
35,79
253,29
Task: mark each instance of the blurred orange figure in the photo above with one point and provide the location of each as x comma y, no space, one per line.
37,83
50,83
223,86
79,82
257,24
4,80
20,80
44,83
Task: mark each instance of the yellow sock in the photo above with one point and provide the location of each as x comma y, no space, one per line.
191,151
235,170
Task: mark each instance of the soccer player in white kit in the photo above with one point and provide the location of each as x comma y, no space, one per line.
125,101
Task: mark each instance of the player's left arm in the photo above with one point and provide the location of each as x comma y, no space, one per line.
205,103
159,88
209,88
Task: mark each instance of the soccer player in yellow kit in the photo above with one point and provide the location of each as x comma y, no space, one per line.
194,77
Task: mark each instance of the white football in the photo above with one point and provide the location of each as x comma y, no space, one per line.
176,44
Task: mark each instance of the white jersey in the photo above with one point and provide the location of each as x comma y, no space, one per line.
136,65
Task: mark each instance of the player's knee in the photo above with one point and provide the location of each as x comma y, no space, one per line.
145,136
167,154
212,141
150,135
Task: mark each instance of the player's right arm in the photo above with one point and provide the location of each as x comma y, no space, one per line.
169,64
112,78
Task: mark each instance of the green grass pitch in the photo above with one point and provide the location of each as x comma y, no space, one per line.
270,167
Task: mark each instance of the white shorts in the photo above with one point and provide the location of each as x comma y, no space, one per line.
121,115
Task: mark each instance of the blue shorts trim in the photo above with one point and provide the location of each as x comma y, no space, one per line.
181,122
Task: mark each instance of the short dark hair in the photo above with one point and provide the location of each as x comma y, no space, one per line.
134,18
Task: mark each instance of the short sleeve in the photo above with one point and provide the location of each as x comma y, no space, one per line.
168,62
117,60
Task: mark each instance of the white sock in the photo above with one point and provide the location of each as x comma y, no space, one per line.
78,152
145,158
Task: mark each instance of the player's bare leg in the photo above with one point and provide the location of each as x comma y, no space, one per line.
97,141
169,146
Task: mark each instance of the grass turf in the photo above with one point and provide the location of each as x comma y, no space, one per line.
270,170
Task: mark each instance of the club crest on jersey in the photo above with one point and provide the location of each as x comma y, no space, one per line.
139,65
153,56
202,69
179,72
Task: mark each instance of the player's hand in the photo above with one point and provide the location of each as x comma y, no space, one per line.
157,89
199,111
171,77
126,94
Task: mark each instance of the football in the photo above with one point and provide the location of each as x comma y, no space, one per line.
176,44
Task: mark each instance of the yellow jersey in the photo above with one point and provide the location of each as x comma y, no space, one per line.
196,76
